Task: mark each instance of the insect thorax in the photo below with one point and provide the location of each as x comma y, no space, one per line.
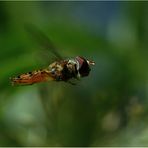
70,68
63,70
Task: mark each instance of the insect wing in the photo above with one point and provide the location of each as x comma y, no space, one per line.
43,40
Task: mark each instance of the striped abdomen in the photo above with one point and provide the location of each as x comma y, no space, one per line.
32,77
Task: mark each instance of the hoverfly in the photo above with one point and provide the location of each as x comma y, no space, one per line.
60,70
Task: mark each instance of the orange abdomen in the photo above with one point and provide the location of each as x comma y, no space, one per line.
32,77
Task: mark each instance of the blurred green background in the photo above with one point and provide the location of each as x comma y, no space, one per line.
107,108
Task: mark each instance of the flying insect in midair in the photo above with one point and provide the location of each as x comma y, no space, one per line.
60,70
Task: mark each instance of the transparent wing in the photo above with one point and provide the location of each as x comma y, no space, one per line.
42,40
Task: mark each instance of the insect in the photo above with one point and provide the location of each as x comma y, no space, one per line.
60,70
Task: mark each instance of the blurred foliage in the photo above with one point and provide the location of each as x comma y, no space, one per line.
107,108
